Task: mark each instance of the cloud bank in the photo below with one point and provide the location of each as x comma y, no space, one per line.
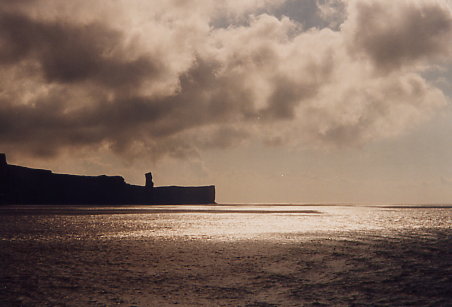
163,78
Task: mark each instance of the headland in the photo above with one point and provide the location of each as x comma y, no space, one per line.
23,185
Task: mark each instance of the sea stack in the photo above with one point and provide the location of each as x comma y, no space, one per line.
2,160
149,183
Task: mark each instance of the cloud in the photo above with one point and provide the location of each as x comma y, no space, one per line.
158,78
332,11
396,34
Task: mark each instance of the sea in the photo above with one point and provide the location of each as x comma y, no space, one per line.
226,255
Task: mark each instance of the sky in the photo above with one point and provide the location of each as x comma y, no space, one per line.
274,101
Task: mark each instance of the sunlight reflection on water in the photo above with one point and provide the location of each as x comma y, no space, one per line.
224,222
274,225
205,255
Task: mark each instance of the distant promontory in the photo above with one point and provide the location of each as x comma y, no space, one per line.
23,185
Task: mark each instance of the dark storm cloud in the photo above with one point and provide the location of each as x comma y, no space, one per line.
71,53
161,81
68,54
49,126
400,33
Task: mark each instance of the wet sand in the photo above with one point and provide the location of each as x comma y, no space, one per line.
349,268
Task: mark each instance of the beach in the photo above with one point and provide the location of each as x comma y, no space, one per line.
280,256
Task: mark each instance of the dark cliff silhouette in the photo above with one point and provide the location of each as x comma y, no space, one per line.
23,185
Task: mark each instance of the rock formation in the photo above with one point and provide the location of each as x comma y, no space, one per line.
149,182
2,160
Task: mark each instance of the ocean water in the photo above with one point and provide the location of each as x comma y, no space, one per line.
226,255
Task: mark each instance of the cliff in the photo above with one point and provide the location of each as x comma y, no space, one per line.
22,185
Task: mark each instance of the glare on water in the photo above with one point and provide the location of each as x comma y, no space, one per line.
226,254
275,222
232,222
